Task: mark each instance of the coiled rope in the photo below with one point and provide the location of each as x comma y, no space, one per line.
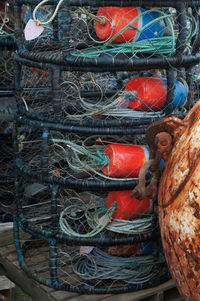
99,265
102,223
97,217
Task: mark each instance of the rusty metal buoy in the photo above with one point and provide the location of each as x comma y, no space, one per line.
179,196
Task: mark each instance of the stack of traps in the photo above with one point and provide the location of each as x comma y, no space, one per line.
87,86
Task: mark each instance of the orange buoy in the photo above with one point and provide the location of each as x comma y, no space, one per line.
125,160
128,207
117,18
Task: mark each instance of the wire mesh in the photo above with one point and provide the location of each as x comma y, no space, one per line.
6,71
83,214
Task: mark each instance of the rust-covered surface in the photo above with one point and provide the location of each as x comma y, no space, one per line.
179,203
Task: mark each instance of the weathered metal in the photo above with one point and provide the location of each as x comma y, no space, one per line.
179,200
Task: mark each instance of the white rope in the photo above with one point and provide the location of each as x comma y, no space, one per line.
51,18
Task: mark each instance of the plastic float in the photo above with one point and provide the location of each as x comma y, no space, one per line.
127,23
151,92
125,160
128,207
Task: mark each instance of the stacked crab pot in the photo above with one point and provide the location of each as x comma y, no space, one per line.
88,82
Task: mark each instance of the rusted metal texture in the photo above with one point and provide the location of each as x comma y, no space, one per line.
179,200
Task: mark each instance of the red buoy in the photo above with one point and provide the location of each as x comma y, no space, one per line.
151,91
128,23
127,207
117,18
123,250
144,248
125,160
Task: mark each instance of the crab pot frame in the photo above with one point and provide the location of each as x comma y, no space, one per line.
39,215
56,66
51,272
58,271
40,200
55,97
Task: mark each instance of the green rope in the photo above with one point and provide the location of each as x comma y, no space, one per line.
161,46
136,213
5,35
